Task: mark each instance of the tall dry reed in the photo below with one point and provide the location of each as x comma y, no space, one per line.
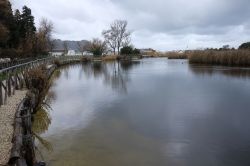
175,55
226,57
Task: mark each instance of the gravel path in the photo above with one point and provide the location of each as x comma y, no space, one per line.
7,114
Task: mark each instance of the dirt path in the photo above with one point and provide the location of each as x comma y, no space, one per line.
7,114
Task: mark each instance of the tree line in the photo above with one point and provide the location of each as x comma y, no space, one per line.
19,36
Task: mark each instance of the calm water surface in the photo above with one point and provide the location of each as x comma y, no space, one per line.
154,112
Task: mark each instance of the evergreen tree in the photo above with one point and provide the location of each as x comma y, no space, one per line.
127,50
27,25
15,37
4,35
27,31
17,31
6,22
5,13
136,51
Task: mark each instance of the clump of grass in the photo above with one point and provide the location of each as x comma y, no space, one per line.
37,78
37,82
226,57
57,62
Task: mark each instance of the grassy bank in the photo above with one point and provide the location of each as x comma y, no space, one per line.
227,57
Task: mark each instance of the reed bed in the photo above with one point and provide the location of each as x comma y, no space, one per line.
176,55
226,57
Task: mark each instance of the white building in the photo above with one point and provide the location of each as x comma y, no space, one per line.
57,53
71,53
87,53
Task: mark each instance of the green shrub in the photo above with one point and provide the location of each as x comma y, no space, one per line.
245,46
129,50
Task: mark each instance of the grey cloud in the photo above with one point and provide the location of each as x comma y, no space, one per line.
162,24
182,15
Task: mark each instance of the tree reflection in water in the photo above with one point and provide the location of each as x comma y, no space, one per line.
114,74
41,123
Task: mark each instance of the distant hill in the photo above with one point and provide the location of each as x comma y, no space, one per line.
72,45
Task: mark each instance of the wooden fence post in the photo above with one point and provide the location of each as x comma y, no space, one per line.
13,85
19,82
9,85
1,94
6,92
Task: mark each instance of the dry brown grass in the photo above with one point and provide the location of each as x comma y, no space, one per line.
37,78
227,57
38,84
57,62
109,58
175,55
85,59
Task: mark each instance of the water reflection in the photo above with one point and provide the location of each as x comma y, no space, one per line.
41,123
42,118
114,74
243,73
154,112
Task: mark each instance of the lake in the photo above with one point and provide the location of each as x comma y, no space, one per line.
152,112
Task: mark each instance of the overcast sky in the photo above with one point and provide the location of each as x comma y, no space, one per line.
159,24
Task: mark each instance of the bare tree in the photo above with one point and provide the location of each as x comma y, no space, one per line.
44,36
118,35
82,46
126,41
79,45
65,47
97,47
51,44
110,37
